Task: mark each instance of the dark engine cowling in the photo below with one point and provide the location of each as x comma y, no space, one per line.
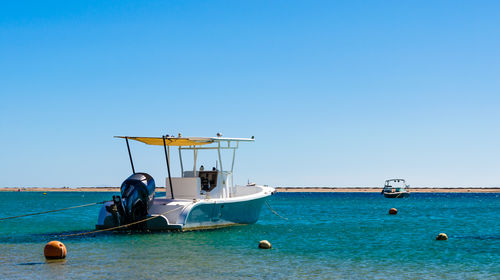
137,192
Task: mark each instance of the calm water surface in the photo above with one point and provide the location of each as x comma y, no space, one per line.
327,236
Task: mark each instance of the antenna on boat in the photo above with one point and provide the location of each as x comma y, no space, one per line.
168,166
130,155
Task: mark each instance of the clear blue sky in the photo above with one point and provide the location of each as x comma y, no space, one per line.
335,92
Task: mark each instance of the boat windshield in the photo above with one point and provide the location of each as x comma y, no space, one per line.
397,185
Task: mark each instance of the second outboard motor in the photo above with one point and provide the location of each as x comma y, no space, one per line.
138,192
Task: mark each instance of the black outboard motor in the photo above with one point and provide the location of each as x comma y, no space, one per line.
138,192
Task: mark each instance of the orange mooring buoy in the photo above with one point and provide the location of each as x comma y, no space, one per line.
442,236
393,211
55,250
264,244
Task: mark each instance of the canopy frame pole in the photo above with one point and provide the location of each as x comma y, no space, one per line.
232,168
168,167
195,154
180,159
168,154
130,155
224,189
234,155
220,157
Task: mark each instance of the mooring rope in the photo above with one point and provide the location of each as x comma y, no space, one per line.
51,211
123,226
274,212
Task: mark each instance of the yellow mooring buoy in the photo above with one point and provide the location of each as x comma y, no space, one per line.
55,250
264,244
442,236
393,211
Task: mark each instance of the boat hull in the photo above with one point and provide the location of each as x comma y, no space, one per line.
397,195
184,215
212,215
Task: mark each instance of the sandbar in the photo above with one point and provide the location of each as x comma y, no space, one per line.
278,189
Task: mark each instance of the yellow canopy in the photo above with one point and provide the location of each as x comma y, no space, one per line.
171,141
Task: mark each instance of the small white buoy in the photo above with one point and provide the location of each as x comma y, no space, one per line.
264,244
442,236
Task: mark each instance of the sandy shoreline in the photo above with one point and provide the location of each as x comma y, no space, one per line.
83,189
278,189
378,190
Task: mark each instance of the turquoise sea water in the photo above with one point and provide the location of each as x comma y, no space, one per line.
327,236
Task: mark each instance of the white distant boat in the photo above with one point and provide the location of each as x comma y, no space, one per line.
395,188
200,198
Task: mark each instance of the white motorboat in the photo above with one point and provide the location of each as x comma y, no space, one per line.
198,199
395,188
